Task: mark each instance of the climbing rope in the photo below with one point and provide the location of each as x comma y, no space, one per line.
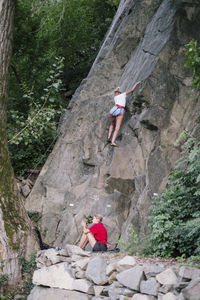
29,122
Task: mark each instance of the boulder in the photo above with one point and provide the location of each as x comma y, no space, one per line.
75,250
181,284
168,296
25,189
189,272
83,285
56,276
100,298
98,289
79,274
126,263
96,270
81,263
192,291
110,269
128,292
131,278
152,270
122,297
112,278
41,293
50,257
115,289
75,257
165,288
180,297
167,277
149,287
142,297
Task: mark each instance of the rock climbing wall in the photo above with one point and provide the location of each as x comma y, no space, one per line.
83,174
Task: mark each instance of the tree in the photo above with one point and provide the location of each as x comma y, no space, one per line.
44,31
13,219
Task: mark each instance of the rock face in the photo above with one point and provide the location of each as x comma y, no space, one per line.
84,175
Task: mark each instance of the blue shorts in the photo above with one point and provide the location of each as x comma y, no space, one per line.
116,111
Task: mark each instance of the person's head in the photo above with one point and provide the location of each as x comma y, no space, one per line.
117,91
97,219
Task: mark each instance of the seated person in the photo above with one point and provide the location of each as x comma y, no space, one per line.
96,235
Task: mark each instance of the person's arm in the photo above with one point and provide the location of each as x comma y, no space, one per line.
85,229
131,90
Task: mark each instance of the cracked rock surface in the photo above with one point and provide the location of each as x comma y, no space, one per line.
83,174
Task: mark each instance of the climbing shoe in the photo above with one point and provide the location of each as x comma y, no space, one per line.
108,141
113,145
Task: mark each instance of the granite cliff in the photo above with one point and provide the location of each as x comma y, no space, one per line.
84,174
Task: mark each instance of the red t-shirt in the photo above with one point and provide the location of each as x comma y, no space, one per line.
99,232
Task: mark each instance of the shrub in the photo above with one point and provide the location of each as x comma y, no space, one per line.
192,60
175,220
131,245
31,136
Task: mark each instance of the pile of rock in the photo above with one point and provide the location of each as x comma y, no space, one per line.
72,273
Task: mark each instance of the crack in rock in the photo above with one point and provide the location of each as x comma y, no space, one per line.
146,51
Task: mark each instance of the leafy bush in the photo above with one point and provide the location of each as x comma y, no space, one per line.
192,60
132,245
72,29
34,216
31,136
28,266
175,220
3,278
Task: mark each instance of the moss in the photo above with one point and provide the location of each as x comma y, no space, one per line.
9,202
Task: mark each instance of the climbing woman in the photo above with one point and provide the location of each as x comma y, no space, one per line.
117,113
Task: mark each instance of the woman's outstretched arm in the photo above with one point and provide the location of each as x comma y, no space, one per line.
131,90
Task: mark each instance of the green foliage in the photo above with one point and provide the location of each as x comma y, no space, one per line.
34,216
192,60
89,220
175,220
132,244
73,29
3,278
2,263
192,261
28,266
31,136
27,269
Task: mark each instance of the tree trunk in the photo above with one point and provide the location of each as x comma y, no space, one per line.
14,223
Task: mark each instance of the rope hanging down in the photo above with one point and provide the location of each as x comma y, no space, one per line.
29,122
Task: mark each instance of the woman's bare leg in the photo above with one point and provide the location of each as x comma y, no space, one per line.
87,237
112,120
119,120
84,240
91,239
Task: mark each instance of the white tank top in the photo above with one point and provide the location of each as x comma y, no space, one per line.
120,99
